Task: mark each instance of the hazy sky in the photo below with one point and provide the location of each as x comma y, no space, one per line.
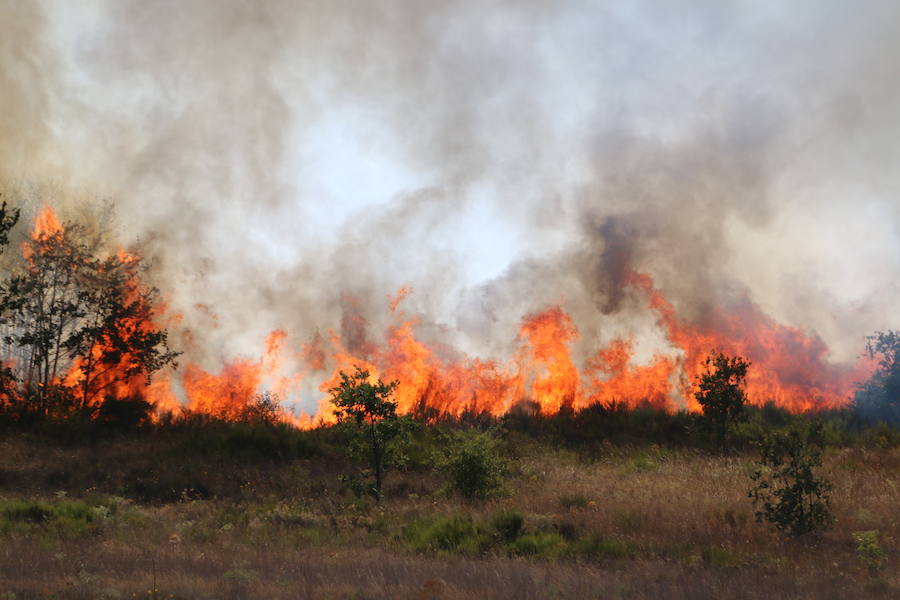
491,154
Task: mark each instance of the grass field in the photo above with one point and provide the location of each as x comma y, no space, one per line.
157,516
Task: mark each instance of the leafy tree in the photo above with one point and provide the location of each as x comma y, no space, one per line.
378,431
720,392
787,492
8,219
116,339
473,464
79,321
879,397
45,302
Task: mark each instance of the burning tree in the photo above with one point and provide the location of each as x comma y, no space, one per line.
8,218
45,305
720,393
80,323
116,340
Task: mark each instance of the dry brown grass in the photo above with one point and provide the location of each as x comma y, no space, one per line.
684,515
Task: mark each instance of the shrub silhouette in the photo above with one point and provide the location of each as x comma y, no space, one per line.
720,393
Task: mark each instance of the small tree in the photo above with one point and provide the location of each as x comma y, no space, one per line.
787,492
8,219
379,432
720,392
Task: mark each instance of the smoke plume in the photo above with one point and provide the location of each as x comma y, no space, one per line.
292,164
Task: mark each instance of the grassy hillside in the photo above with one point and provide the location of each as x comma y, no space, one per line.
236,511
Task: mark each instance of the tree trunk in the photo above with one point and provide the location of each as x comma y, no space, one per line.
376,460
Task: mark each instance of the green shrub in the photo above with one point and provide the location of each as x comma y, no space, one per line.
367,415
249,442
597,547
449,534
569,501
508,525
124,414
719,558
868,550
63,519
787,491
472,464
26,511
539,544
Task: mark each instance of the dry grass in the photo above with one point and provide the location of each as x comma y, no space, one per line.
289,532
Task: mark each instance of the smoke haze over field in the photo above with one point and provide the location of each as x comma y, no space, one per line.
282,161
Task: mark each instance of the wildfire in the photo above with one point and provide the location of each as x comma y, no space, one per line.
788,368
45,228
228,394
46,224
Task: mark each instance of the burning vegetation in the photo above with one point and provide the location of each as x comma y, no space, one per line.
82,328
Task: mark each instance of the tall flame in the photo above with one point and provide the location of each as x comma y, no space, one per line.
46,224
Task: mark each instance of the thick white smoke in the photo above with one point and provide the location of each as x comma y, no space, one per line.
495,156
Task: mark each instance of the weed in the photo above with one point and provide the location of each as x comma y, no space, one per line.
570,501
62,519
597,547
539,544
717,558
449,534
869,551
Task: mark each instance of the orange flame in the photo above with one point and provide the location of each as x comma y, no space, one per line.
46,224
45,228
789,367
228,394
115,380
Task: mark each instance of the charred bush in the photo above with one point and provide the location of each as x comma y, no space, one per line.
157,486
125,414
